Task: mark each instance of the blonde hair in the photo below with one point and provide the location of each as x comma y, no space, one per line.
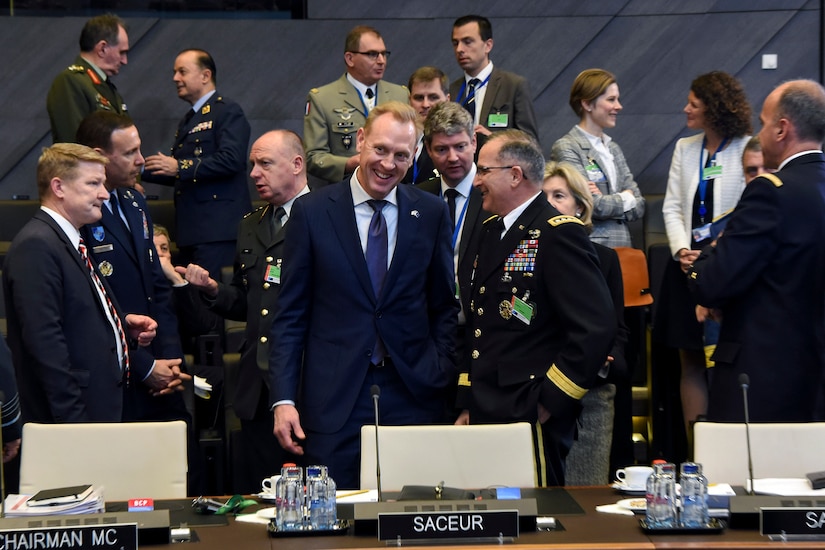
578,187
61,161
402,112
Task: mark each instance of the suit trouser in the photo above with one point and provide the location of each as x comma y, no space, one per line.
341,450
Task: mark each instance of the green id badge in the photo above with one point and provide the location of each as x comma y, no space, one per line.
273,274
712,172
522,310
498,120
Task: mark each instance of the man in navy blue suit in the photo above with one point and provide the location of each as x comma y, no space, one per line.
367,298
121,246
73,348
207,166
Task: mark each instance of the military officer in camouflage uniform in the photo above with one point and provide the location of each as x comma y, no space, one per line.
335,112
541,320
85,86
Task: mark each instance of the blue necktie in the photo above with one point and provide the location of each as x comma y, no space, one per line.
377,263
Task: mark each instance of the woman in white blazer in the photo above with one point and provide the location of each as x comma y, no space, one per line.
706,180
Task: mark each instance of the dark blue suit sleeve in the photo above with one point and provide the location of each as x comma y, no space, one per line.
12,425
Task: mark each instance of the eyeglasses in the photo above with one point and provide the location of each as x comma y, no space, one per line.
373,55
484,170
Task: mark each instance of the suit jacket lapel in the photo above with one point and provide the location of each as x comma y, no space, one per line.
342,216
407,228
470,220
350,95
594,154
493,86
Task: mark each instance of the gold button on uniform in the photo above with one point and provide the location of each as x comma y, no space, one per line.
477,333
264,312
480,311
475,354
266,286
269,259
263,339
482,290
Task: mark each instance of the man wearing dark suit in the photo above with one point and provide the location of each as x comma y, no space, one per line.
74,351
766,272
279,172
540,321
86,86
497,99
336,111
121,246
367,298
451,142
207,166
428,88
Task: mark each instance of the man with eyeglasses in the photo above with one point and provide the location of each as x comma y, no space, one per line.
540,319
367,299
336,111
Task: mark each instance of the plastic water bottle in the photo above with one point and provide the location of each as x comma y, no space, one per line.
317,496
661,496
289,499
332,507
694,496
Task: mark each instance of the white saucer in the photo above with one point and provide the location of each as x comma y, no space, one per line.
265,496
622,488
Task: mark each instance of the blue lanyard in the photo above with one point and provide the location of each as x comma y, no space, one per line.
459,221
703,182
465,100
364,103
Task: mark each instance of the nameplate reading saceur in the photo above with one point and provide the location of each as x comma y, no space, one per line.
793,521
448,525
116,536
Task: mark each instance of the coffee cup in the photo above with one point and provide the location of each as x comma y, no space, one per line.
634,477
268,484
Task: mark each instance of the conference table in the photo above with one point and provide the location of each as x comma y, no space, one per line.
582,530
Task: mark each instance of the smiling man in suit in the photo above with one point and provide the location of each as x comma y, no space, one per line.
207,166
121,246
497,99
73,348
336,111
367,298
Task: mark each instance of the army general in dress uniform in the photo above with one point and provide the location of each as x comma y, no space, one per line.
336,111
541,321
85,87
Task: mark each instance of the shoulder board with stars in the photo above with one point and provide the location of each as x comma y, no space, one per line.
253,211
491,218
560,220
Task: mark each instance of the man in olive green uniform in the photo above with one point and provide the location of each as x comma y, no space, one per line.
278,168
336,111
86,86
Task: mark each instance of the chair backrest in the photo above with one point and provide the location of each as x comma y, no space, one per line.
778,450
131,460
466,457
635,277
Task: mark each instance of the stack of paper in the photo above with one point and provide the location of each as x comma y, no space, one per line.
19,506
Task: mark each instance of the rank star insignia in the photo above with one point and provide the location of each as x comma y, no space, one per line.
206,109
185,164
129,194
505,309
105,268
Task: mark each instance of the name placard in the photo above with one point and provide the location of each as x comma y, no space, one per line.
448,525
807,521
89,537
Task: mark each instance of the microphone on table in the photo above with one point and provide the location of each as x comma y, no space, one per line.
375,392
744,381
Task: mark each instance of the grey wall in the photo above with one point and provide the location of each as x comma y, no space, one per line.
655,47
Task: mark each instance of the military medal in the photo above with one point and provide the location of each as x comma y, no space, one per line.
505,309
523,258
346,140
105,268
145,225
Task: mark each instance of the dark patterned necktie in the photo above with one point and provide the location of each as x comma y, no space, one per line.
377,263
99,284
470,104
451,195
